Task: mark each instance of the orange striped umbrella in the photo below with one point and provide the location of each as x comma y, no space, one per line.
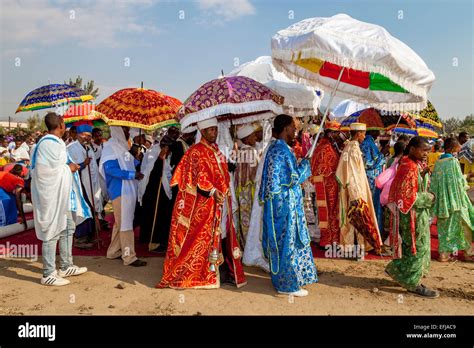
139,108
81,112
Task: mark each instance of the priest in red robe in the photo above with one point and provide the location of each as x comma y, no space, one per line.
202,250
323,167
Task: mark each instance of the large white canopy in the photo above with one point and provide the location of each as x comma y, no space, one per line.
386,73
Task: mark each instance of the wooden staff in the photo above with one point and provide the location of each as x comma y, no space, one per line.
96,219
151,245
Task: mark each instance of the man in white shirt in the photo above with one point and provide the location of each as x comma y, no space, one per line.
58,204
21,151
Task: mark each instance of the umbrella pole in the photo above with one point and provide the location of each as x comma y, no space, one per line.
399,119
333,93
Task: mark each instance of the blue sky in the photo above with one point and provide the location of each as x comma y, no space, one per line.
176,55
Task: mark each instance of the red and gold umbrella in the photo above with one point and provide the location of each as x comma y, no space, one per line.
379,120
139,108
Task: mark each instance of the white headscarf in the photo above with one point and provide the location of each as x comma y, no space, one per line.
118,136
117,149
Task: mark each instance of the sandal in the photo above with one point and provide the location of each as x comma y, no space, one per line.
138,263
423,291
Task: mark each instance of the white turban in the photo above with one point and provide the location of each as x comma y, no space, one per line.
212,122
245,130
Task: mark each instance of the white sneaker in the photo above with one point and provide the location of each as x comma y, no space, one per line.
299,293
54,280
72,271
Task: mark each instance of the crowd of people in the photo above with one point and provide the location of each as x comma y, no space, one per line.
212,207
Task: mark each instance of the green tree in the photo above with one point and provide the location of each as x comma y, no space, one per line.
467,125
88,87
451,125
34,122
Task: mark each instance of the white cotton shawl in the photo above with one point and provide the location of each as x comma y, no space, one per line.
51,186
253,252
117,149
78,154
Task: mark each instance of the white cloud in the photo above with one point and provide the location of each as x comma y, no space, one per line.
227,10
87,23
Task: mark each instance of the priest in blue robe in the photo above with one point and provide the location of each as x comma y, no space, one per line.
374,163
285,238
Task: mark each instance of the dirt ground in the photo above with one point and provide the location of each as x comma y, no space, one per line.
345,287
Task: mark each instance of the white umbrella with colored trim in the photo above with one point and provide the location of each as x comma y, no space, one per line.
359,60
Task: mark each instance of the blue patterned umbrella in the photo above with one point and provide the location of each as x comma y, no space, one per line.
423,129
50,95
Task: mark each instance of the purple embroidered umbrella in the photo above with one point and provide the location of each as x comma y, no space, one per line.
238,98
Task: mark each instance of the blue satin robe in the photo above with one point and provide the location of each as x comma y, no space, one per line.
285,239
374,161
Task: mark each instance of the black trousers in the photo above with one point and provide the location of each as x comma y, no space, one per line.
225,269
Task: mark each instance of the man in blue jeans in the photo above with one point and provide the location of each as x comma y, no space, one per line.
58,202
66,267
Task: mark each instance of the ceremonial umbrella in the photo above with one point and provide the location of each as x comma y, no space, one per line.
378,120
346,108
51,95
375,67
300,100
427,121
236,98
355,59
429,115
422,129
426,130
139,108
84,112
